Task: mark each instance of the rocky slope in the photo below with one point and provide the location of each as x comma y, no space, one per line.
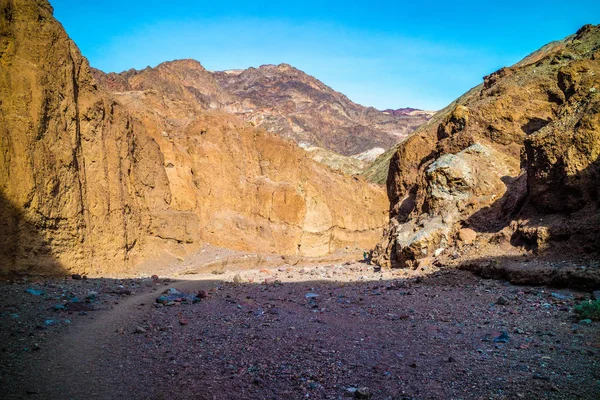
184,79
94,185
511,165
280,99
293,104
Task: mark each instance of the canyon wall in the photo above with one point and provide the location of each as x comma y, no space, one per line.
96,183
514,161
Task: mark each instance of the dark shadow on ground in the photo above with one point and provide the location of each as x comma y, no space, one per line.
431,337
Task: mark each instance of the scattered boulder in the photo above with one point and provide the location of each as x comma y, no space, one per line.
467,236
172,295
362,393
502,301
35,292
238,278
139,329
502,338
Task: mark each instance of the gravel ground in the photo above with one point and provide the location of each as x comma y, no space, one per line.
323,332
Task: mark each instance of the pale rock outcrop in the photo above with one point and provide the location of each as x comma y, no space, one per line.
457,184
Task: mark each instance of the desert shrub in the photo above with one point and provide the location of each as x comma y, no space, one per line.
589,310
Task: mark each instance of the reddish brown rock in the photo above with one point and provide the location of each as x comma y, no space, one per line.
467,236
278,98
295,105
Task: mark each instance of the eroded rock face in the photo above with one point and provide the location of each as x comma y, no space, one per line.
522,147
456,185
74,167
565,155
251,190
95,182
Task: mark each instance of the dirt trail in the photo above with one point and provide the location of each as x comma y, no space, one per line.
82,363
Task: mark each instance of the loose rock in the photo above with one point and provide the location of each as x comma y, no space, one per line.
502,301
238,278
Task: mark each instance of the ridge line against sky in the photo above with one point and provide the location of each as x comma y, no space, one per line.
384,54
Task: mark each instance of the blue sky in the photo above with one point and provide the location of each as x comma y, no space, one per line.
379,53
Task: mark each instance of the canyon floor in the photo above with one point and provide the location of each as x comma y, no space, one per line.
321,329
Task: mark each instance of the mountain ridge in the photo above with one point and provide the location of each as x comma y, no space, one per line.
283,100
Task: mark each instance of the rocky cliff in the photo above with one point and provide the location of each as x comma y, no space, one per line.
95,183
513,162
72,162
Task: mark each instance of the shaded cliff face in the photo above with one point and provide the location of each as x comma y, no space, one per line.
513,160
72,162
92,185
287,101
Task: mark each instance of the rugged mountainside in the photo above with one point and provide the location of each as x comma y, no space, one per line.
95,185
293,104
249,186
280,99
378,170
513,162
184,79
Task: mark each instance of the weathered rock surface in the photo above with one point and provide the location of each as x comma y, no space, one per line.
338,162
74,168
94,185
516,156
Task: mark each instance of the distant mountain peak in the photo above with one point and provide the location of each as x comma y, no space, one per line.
296,105
408,111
